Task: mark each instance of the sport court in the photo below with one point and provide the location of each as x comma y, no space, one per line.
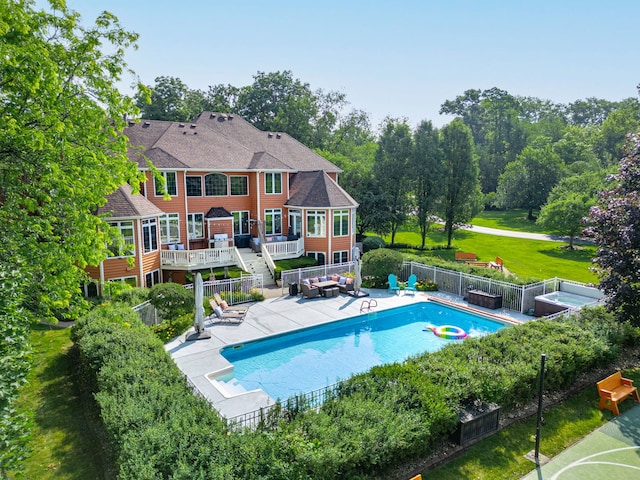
612,451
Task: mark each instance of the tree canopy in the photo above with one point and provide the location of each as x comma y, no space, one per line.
60,155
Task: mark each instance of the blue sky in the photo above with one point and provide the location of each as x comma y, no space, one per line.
401,58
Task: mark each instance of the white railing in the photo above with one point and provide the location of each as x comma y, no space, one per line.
203,257
282,250
266,256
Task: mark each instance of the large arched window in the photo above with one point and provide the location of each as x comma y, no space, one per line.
215,184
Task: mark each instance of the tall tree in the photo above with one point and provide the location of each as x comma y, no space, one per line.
461,198
616,231
427,173
527,181
171,99
61,153
392,173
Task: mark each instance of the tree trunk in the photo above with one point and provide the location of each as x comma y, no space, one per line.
570,242
449,229
530,216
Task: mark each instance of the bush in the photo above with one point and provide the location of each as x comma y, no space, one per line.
380,263
372,243
166,330
171,300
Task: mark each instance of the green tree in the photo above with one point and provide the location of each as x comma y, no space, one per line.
461,198
615,229
527,181
613,132
392,174
427,173
61,153
566,215
171,99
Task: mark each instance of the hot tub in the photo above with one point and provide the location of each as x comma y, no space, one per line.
558,301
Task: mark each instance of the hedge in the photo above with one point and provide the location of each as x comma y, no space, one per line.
158,428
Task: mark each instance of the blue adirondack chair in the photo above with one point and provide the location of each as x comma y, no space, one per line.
411,283
393,283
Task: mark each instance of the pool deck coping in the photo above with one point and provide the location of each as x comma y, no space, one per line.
201,361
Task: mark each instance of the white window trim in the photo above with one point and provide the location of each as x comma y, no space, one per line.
191,222
343,214
119,225
235,194
164,222
273,183
317,214
343,253
166,183
272,212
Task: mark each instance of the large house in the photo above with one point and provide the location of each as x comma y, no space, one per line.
225,186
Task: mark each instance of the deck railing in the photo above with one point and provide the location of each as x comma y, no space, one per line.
287,249
204,257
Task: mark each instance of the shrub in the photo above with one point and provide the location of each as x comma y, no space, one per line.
166,330
172,300
380,263
372,243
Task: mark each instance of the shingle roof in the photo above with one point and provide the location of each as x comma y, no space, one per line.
220,142
124,204
218,212
317,189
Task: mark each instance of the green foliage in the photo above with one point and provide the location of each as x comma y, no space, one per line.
372,243
171,299
168,330
379,263
132,296
292,264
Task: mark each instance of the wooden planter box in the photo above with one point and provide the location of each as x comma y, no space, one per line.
476,421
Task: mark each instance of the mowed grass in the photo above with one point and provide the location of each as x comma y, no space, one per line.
61,446
515,219
535,259
501,456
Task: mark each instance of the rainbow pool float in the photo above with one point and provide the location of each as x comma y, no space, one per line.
448,331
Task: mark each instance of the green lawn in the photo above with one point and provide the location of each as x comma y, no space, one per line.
515,219
526,258
502,455
61,447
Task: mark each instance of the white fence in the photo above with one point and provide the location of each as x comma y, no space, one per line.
233,290
296,276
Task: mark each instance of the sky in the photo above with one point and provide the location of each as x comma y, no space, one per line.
400,58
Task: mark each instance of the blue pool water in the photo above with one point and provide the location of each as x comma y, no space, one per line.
318,356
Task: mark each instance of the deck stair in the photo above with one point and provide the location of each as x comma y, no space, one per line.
257,266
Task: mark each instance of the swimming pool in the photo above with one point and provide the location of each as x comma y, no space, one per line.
312,358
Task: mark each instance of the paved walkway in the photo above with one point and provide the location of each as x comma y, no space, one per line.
528,235
202,363
612,451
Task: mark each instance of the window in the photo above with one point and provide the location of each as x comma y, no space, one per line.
295,222
240,223
170,184
150,235
215,185
195,225
273,221
340,223
170,228
341,256
239,185
272,182
125,247
194,186
152,278
319,256
316,223
109,285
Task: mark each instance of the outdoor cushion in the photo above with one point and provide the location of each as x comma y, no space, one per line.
349,281
224,305
306,281
342,280
314,280
218,312
323,279
335,278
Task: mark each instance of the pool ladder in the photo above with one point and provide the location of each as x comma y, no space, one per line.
368,304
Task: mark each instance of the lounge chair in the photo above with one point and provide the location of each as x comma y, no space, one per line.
411,283
227,308
393,283
227,315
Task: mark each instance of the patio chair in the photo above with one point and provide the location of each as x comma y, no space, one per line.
411,283
228,316
226,308
309,291
393,283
